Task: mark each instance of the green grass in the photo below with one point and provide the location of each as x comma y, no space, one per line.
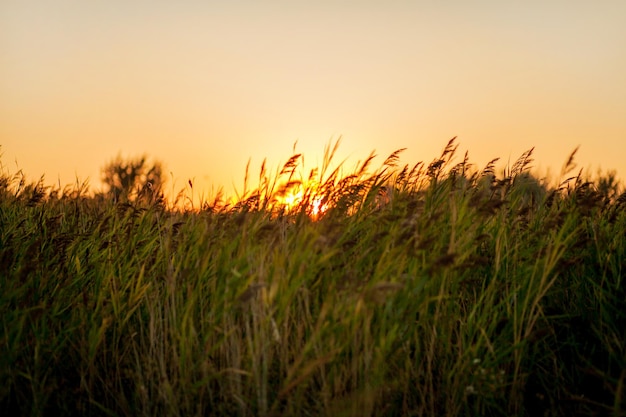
437,289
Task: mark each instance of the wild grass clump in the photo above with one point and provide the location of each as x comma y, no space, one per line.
426,289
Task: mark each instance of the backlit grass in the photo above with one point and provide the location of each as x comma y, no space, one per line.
439,289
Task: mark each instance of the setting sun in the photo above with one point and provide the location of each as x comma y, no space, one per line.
318,207
302,197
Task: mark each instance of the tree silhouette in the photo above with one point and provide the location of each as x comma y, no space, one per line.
133,179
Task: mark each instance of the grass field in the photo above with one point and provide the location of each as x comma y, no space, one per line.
440,289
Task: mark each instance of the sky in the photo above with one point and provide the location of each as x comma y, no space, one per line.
205,86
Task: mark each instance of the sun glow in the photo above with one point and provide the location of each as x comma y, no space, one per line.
318,207
302,198
293,199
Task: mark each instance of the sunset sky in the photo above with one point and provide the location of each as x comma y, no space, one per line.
203,86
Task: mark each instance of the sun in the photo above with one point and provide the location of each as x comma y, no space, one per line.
318,207
297,196
293,199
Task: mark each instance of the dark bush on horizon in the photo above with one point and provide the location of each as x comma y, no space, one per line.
133,179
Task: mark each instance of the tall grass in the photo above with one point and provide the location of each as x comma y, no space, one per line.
432,289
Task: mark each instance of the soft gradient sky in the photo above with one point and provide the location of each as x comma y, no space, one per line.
204,86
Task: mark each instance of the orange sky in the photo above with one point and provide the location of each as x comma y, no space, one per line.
204,86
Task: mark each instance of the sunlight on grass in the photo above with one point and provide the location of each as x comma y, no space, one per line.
438,289
302,198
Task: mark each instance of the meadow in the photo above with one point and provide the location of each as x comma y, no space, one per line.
434,289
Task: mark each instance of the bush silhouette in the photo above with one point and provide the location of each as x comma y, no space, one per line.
133,179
